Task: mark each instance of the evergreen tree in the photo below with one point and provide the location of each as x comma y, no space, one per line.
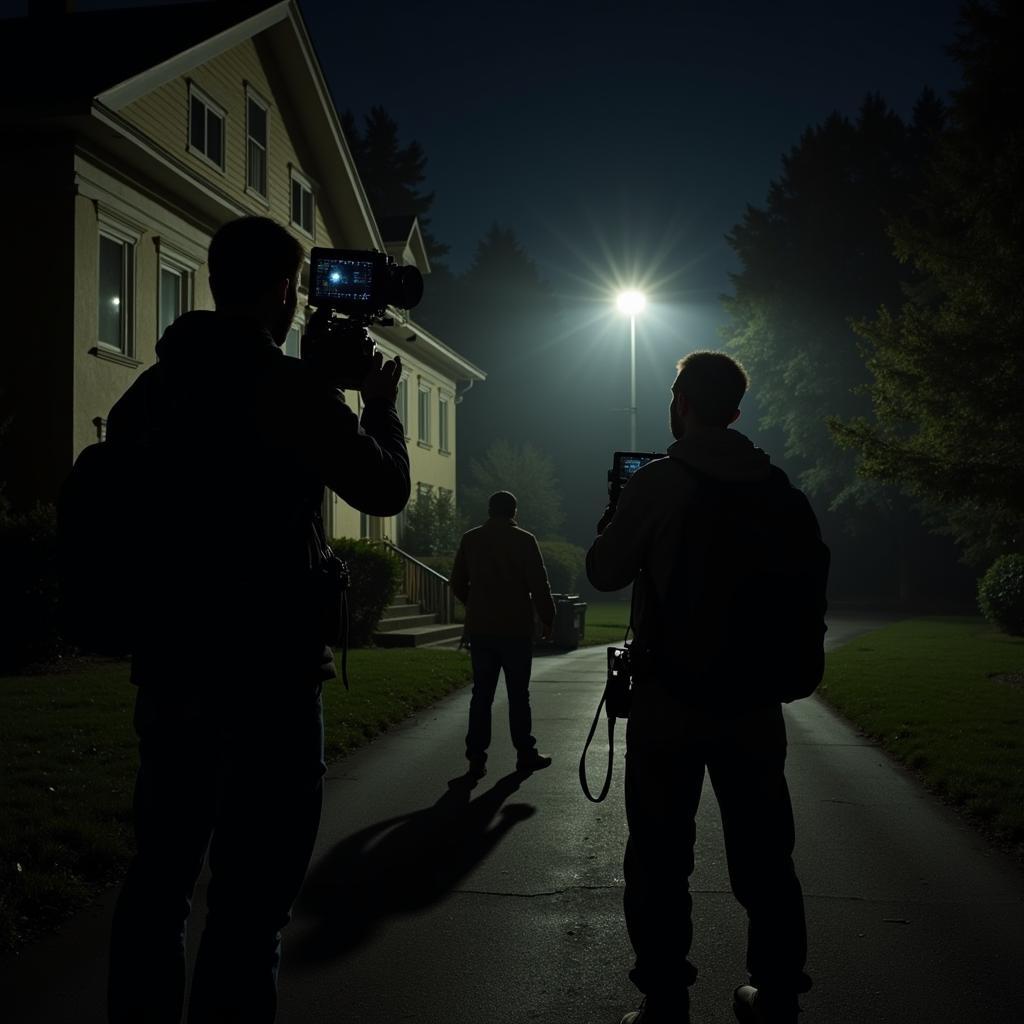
392,174
946,366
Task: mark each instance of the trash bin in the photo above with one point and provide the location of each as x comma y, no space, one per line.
570,619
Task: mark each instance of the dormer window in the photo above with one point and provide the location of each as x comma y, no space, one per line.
257,118
206,123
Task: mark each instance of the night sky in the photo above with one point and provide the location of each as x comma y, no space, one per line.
620,140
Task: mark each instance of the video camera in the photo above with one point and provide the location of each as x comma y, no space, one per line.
360,285
624,465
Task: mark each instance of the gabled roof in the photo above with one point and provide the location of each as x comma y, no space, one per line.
403,239
64,61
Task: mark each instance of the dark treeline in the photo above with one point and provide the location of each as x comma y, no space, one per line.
876,307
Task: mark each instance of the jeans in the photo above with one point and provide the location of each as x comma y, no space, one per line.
245,781
489,656
668,747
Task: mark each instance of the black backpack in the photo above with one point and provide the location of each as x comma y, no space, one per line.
743,622
103,563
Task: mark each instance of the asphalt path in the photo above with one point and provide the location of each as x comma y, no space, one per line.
432,901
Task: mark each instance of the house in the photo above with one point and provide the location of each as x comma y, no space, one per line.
130,136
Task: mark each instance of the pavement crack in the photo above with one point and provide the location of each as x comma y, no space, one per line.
543,892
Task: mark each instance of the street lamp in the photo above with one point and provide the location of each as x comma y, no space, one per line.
631,303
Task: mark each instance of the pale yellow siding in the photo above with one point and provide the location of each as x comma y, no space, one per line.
163,115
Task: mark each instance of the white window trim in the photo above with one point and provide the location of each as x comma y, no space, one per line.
119,231
293,176
252,95
423,389
194,90
404,380
174,259
444,442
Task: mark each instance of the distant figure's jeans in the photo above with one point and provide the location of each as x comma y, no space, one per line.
247,780
489,655
668,746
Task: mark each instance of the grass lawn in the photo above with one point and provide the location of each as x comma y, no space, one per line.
945,696
605,623
68,758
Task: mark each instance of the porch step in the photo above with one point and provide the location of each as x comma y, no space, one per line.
426,635
398,611
397,623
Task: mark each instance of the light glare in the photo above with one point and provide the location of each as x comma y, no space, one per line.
631,302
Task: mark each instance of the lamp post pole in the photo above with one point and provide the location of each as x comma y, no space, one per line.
632,382
631,302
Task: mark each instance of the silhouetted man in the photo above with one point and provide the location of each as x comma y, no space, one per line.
499,575
231,658
706,691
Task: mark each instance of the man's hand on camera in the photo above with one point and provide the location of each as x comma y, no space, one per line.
606,518
381,381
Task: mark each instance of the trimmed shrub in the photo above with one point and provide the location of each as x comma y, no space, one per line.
375,578
28,587
1001,594
565,563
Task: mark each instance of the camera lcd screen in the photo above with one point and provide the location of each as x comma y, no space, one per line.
627,463
338,281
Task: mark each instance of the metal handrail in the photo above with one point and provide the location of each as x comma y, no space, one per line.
425,586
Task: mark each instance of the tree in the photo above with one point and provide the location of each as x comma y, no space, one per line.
525,471
432,526
814,258
946,365
392,174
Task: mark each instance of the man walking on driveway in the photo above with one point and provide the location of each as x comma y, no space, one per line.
499,575
729,578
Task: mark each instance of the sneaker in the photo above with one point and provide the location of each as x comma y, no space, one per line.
751,1007
646,1015
477,767
532,762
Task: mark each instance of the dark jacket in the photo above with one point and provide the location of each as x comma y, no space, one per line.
499,575
244,441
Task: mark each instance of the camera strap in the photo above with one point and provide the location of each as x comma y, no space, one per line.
613,713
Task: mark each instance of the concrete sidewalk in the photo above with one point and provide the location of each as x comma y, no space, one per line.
433,903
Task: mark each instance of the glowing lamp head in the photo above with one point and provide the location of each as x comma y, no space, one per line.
335,277
631,302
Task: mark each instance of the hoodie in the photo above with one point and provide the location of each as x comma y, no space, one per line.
644,534
244,439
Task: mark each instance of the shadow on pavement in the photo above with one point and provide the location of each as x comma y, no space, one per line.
400,865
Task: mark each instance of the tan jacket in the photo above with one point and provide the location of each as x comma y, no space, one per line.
499,575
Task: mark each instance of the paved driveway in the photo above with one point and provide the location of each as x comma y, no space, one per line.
433,903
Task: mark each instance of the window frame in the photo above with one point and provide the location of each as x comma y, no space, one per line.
186,270
219,111
129,240
423,415
296,177
252,96
443,423
402,404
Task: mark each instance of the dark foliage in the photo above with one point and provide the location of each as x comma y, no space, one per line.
1001,594
564,563
947,363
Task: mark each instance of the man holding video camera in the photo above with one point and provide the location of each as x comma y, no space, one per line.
728,574
231,651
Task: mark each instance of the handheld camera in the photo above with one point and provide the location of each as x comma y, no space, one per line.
624,465
359,285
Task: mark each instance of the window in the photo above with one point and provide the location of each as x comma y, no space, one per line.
116,274
402,403
175,288
256,142
206,123
442,423
424,415
302,203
